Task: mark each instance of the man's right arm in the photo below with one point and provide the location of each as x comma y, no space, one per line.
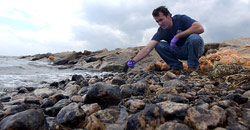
145,51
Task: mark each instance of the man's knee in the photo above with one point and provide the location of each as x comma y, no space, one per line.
195,38
160,46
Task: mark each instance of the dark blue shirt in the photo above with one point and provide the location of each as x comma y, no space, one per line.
180,23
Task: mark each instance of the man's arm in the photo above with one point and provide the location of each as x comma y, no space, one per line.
145,51
195,28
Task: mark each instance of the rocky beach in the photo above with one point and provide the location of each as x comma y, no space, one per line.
148,97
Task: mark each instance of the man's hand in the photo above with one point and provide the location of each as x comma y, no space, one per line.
131,63
173,43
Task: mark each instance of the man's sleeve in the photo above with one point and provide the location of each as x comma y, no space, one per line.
157,36
187,21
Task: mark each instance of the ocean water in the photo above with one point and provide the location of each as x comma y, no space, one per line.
16,72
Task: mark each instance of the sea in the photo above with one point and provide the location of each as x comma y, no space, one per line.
23,72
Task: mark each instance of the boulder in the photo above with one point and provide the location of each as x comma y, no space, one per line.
103,94
150,118
27,120
71,115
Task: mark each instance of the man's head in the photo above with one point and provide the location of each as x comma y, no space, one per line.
163,17
162,9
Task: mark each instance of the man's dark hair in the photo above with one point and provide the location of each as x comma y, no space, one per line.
162,9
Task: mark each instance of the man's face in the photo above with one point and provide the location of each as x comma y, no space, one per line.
163,21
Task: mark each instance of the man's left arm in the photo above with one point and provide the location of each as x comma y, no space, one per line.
194,28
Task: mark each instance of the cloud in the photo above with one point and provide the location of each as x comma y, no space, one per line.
30,27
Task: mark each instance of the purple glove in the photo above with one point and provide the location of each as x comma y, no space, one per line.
173,43
131,63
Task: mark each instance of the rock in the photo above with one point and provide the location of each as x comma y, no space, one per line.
174,83
232,117
71,115
140,88
224,104
168,75
117,81
237,127
167,90
134,105
202,119
48,103
121,122
149,118
103,94
5,99
111,116
172,109
33,100
23,90
1,106
246,116
173,126
26,120
90,108
93,81
77,99
71,89
71,58
247,94
76,77
240,99
83,91
126,90
43,91
53,111
93,123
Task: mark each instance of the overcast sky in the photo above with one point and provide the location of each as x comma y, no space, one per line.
30,27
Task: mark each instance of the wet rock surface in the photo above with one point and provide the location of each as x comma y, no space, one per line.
139,99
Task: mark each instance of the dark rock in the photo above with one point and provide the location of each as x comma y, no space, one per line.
83,91
103,94
1,106
140,88
32,99
246,117
48,103
173,126
246,105
240,99
58,97
76,77
246,88
224,104
237,127
199,118
177,98
91,59
5,99
71,115
15,109
126,90
22,90
149,118
232,117
26,120
53,111
118,81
